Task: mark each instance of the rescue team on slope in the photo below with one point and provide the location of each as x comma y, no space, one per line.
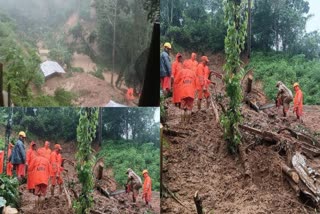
134,183
41,165
285,97
190,77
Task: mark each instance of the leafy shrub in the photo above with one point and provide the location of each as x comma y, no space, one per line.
121,155
9,190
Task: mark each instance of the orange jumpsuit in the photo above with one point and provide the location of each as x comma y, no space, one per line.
129,95
176,68
9,164
191,63
55,168
298,102
147,186
40,167
203,81
1,161
31,154
45,152
187,81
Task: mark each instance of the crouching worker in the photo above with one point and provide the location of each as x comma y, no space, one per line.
134,183
147,187
40,168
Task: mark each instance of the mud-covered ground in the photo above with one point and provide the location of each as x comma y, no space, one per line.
198,160
120,204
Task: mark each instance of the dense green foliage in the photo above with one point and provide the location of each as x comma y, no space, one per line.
122,17
272,67
137,124
9,190
236,20
121,155
276,24
86,132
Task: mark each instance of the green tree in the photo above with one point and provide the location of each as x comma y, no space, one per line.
86,132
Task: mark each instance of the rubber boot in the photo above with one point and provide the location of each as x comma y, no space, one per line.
199,104
52,190
60,189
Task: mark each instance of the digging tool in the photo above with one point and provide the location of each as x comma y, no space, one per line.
266,106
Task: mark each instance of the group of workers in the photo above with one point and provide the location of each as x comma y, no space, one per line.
285,97
37,165
190,78
134,183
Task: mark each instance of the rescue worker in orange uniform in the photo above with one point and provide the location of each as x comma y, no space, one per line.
176,68
187,81
31,154
56,169
1,161
18,156
9,164
41,171
191,63
129,96
298,101
284,97
45,151
147,187
203,81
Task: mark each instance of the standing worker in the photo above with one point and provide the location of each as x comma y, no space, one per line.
176,69
187,81
45,151
284,97
134,183
147,187
165,69
9,164
298,101
56,169
31,154
40,167
18,156
191,63
203,81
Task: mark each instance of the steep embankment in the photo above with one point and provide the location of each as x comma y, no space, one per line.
196,159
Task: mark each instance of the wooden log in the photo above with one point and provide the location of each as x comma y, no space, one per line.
67,196
290,172
102,191
171,132
100,172
249,83
266,135
198,202
293,185
300,136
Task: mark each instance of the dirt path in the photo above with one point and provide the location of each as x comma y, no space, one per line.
199,161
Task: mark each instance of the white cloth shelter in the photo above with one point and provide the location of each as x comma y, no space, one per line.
114,104
50,67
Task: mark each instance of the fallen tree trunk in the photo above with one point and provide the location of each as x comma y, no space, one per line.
300,136
198,202
294,186
174,133
67,196
290,172
249,83
102,191
266,135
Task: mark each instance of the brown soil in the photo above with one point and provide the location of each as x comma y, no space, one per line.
90,90
200,161
83,61
58,203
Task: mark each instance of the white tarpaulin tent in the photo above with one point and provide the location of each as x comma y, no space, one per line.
114,104
50,67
